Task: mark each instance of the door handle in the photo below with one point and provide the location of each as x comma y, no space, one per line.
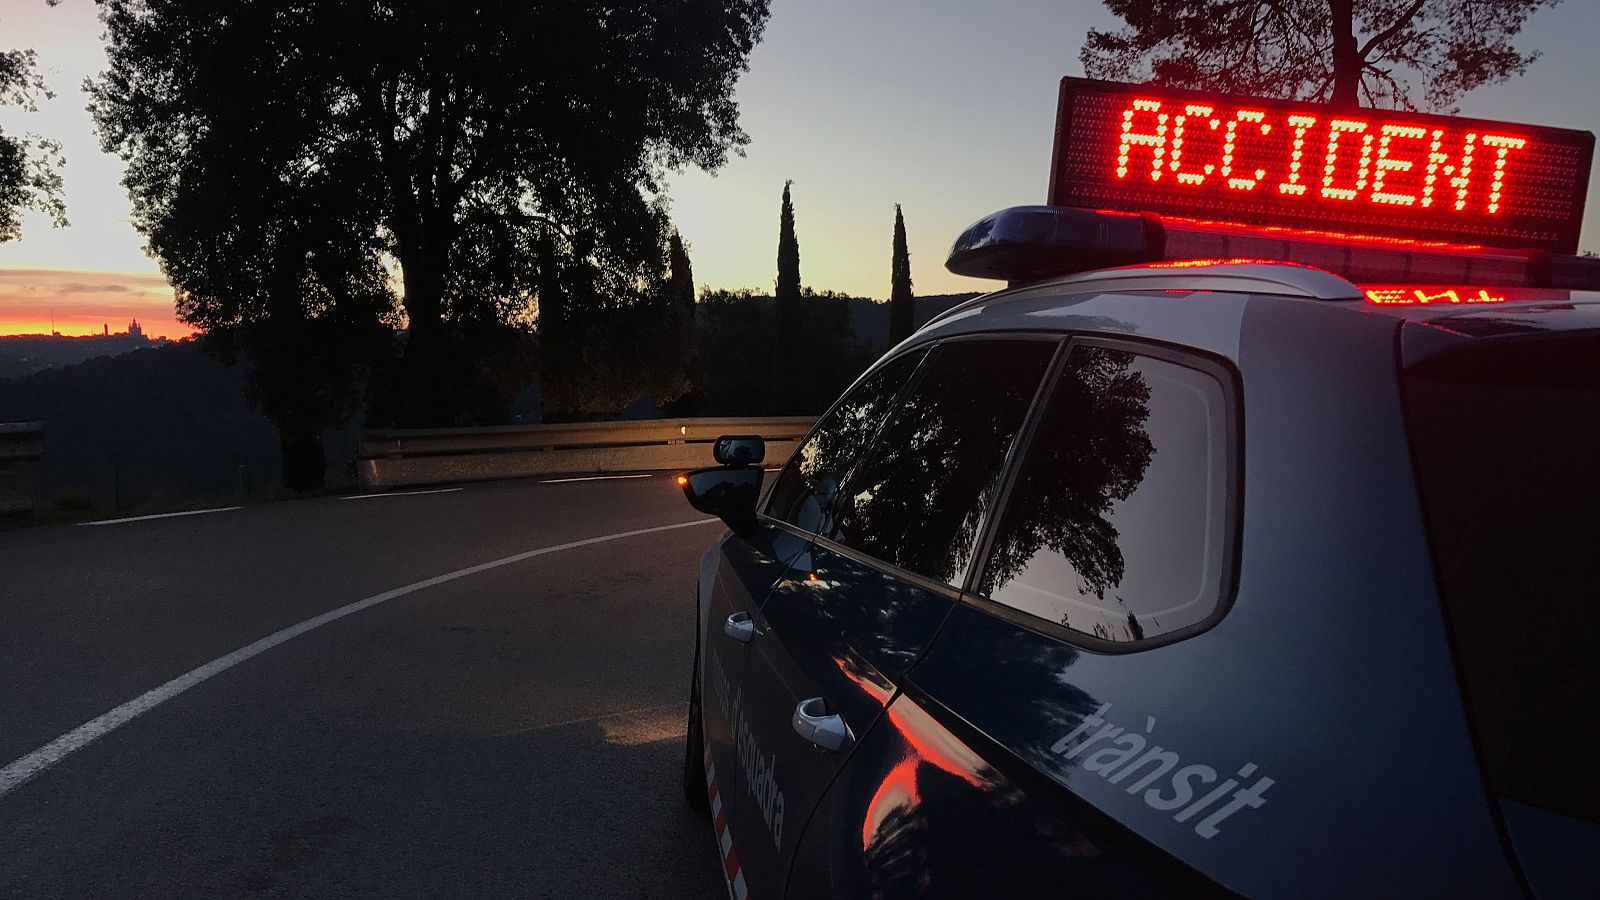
740,627
812,722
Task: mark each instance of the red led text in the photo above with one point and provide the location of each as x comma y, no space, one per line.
1323,158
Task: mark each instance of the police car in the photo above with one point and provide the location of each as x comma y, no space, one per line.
1247,543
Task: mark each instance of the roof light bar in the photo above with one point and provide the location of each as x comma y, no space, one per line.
1029,243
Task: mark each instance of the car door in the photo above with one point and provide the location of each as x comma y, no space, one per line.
836,635
743,570
736,577
1025,753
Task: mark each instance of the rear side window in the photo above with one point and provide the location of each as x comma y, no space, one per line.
1506,437
918,499
1116,526
806,489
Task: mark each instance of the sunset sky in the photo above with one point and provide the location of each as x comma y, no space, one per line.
944,107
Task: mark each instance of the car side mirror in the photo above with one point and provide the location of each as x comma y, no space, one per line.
727,492
739,450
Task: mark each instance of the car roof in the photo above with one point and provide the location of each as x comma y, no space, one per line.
1220,284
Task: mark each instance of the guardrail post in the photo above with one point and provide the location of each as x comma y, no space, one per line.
21,449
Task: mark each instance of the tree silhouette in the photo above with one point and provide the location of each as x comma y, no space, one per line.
902,308
680,274
669,334
490,142
30,176
1090,450
1371,52
790,337
277,276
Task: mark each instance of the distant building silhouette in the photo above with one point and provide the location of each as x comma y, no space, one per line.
24,354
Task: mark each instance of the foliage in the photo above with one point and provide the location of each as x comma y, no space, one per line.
902,307
262,249
600,358
735,356
668,330
733,375
1375,52
1094,452
491,146
30,176
789,335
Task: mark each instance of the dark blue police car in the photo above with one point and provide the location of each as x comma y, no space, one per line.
1181,578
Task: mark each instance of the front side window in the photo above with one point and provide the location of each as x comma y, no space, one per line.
1115,526
808,485
917,502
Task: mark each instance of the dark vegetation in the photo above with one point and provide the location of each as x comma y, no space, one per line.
1381,53
25,354
165,425
901,312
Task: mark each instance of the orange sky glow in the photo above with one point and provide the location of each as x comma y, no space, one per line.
83,303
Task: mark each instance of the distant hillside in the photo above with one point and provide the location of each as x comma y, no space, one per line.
167,421
24,354
870,318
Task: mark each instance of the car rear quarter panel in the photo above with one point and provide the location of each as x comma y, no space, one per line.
1330,674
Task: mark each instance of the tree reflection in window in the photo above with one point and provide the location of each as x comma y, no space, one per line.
918,501
1115,525
805,491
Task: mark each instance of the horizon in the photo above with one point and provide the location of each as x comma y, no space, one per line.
856,135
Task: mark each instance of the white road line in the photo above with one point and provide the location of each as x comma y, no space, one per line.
400,494
191,512
591,478
17,773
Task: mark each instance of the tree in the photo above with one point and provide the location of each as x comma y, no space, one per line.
788,284
30,176
671,333
1349,52
789,339
496,141
262,250
902,308
680,277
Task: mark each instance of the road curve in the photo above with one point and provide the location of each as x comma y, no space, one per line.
513,730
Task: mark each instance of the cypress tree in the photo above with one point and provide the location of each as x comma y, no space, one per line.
902,314
788,287
680,281
788,341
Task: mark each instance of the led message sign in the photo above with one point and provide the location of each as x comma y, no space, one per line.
1311,166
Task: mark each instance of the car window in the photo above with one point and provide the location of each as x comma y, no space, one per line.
1115,526
805,490
918,499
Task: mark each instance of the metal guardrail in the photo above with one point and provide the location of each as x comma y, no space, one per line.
21,448
424,456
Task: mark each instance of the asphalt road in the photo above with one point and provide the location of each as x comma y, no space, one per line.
511,732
